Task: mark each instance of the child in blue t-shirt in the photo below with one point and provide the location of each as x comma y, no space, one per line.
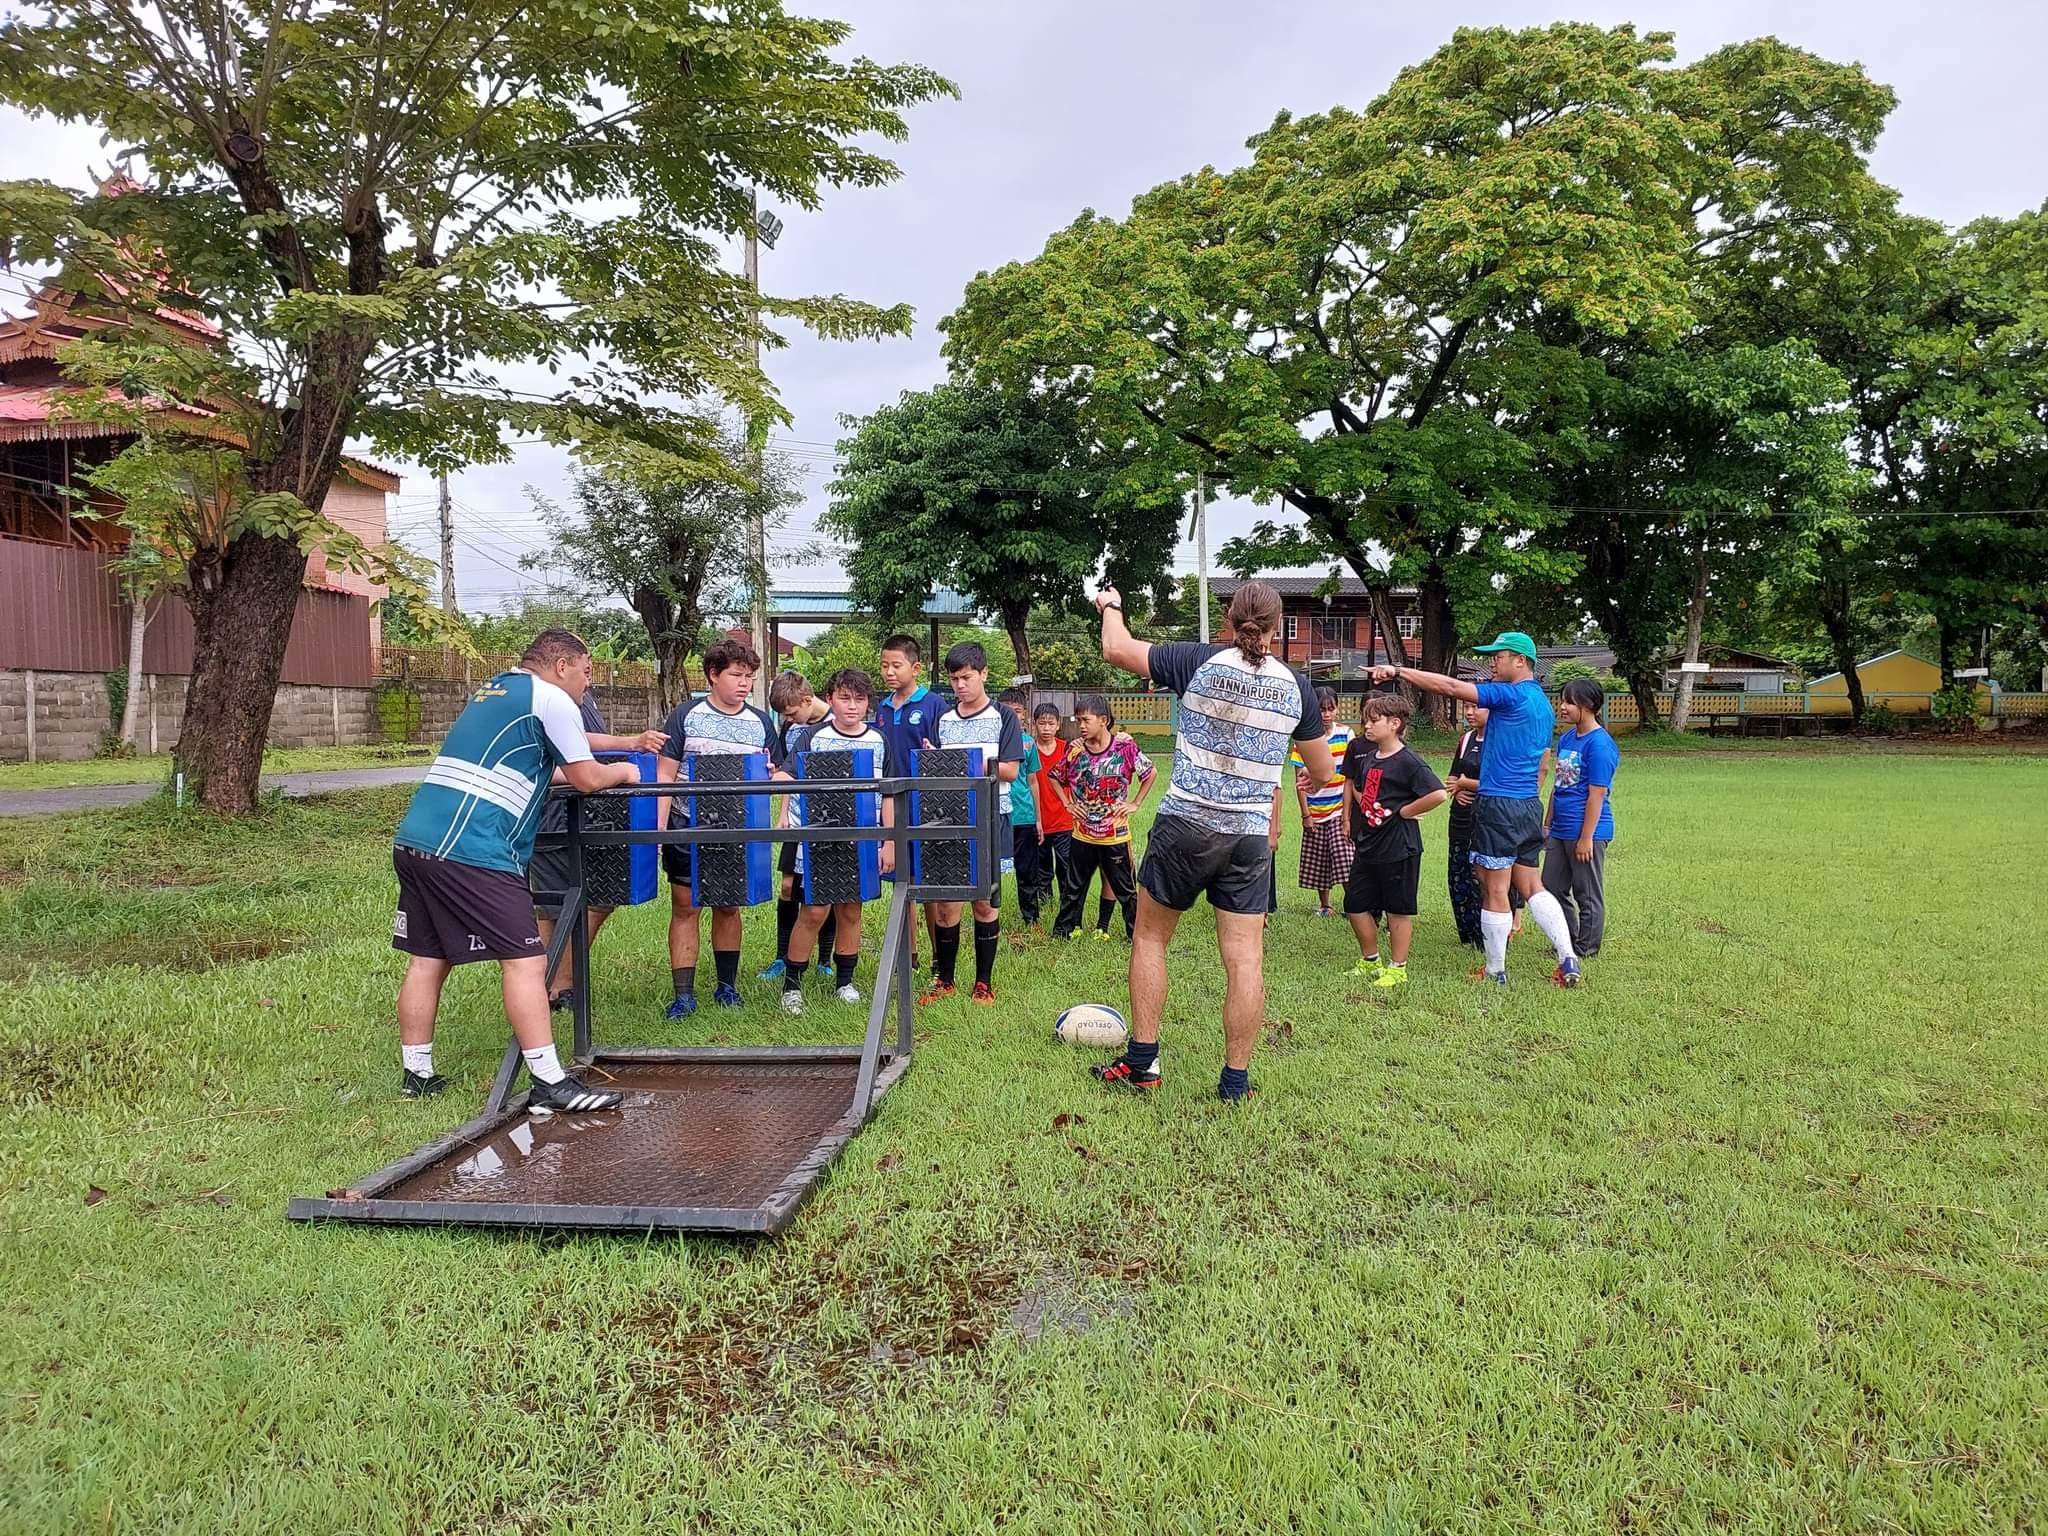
1579,823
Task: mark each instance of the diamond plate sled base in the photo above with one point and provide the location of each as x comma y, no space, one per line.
710,1140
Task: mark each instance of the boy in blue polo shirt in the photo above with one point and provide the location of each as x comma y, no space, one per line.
1580,824
908,719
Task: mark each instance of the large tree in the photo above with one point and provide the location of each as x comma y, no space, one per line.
1004,497
1705,463
387,204
1390,318
676,550
1959,433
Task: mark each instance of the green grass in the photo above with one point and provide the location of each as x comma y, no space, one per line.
156,769
1750,1234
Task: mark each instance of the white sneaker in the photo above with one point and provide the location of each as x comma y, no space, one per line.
793,1003
848,993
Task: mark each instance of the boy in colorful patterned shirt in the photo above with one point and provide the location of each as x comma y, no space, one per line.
1325,850
1101,781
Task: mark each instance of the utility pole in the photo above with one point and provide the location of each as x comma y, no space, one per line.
1202,552
447,550
761,230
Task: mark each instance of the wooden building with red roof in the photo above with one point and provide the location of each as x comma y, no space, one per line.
63,616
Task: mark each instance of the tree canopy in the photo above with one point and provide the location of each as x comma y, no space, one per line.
388,205
1400,321
1003,497
676,551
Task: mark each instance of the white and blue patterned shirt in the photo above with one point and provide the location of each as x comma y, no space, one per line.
1237,725
698,728
995,730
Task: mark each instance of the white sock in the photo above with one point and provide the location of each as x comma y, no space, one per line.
1494,928
1549,915
1397,965
544,1064
419,1059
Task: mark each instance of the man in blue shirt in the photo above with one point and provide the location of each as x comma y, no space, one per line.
461,855
1507,816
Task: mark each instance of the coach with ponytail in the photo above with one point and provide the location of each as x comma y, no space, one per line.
1241,710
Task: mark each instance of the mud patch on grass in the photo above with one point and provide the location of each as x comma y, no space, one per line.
165,949
751,1359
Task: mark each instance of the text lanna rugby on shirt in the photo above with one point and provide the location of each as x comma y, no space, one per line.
1237,723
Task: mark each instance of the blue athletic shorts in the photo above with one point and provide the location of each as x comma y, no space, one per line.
1506,832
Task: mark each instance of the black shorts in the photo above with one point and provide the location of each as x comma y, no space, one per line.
785,861
458,913
552,870
1506,832
1184,860
1388,888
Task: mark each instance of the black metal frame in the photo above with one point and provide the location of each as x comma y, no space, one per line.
878,1070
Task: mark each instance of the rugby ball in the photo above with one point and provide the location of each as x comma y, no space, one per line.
1094,1024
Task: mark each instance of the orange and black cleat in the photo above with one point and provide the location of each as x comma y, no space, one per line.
1121,1074
938,992
983,993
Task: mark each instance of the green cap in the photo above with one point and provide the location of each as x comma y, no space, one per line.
1510,640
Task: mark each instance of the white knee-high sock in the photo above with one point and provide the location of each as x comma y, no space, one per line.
1549,915
1494,928
544,1064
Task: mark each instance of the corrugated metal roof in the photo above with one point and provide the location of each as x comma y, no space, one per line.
1302,586
818,605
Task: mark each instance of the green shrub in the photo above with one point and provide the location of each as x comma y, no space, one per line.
1880,720
1955,707
117,698
1063,664
399,712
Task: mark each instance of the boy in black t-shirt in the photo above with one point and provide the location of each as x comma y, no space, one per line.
1387,790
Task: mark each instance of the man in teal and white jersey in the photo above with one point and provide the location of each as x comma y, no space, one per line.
461,854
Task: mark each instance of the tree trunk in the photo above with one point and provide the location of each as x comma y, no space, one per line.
670,654
138,625
1833,605
1439,640
1695,616
1947,639
1014,620
242,605
243,596
1642,687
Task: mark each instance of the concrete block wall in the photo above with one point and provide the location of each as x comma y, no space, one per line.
72,712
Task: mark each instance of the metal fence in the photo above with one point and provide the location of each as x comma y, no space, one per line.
426,663
1157,714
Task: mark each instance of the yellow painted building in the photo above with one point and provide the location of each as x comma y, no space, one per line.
1904,683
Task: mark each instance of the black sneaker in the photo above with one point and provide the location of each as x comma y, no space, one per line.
418,1087
1250,1093
562,1001
570,1096
1121,1074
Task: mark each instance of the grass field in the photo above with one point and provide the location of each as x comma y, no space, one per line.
1749,1234
156,768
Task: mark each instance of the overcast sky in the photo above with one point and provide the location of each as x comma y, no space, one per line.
1068,105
